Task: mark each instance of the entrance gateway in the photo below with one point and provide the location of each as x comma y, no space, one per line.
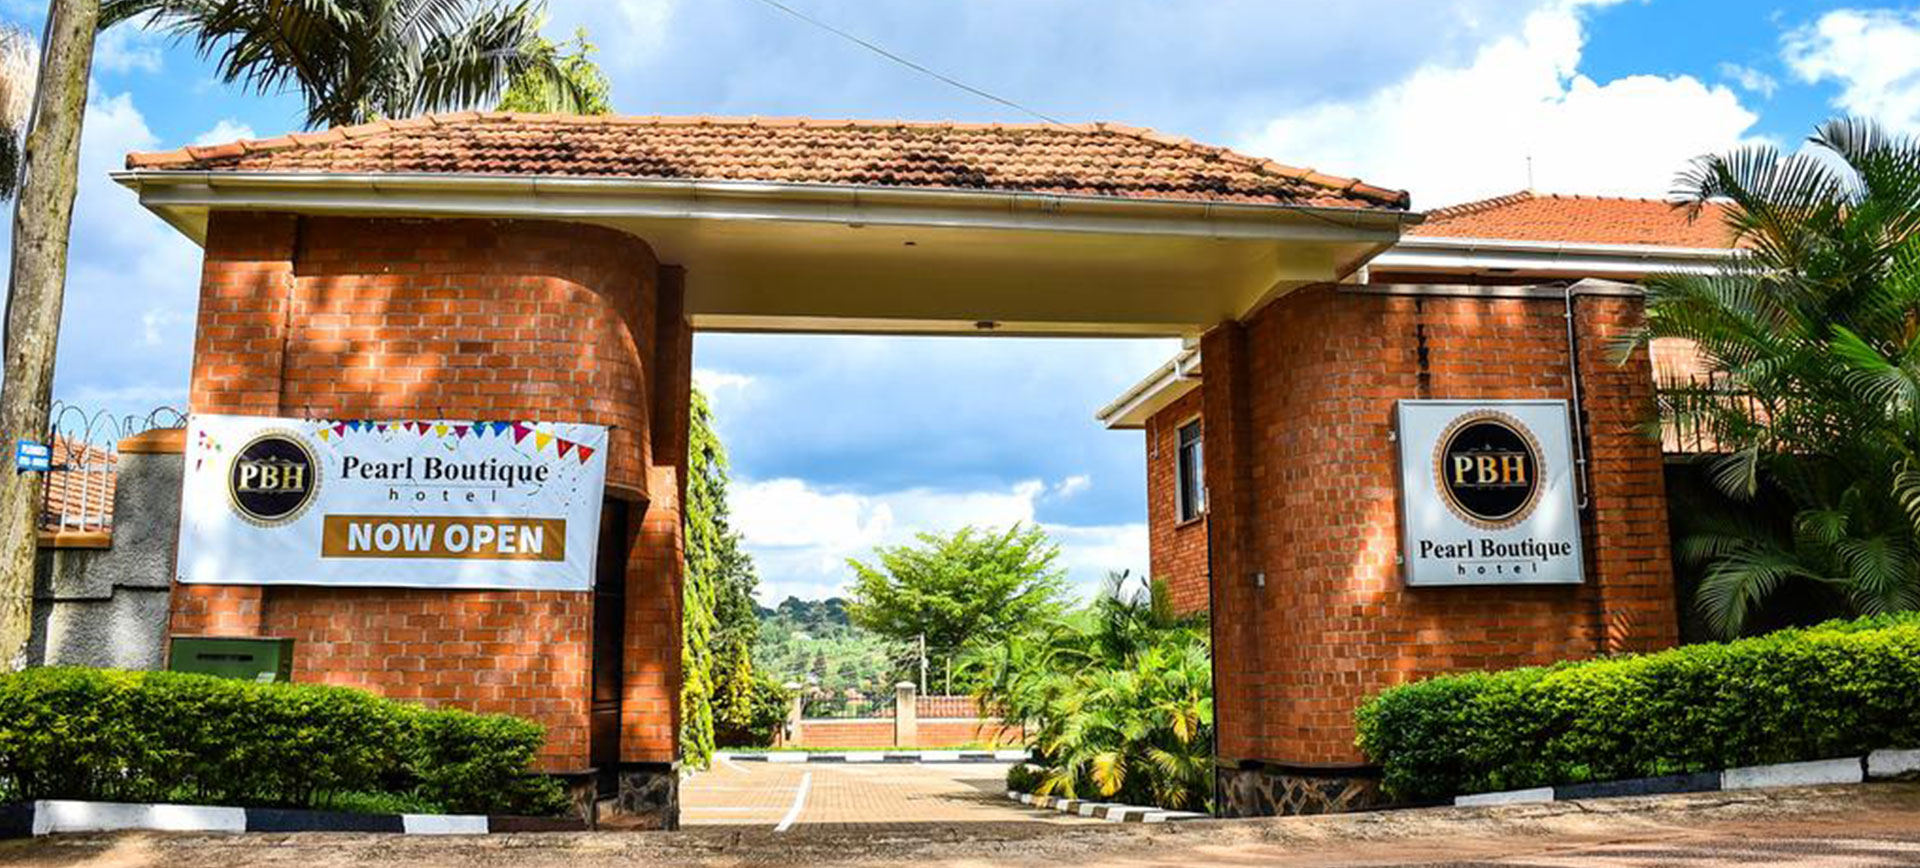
550,272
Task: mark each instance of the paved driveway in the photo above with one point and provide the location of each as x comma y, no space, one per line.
819,796
1844,827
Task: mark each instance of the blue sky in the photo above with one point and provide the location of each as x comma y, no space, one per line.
843,443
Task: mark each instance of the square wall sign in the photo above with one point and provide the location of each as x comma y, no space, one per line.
1488,494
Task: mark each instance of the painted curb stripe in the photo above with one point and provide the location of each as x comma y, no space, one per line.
1109,811
436,824
1704,782
56,816
284,820
1851,770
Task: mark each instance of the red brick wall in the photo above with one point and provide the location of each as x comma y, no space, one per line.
1177,551
1299,404
933,734
361,318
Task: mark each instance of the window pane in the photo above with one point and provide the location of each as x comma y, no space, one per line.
1189,488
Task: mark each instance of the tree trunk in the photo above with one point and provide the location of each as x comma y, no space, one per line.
41,219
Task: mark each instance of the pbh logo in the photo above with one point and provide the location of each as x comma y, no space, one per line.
1487,466
273,479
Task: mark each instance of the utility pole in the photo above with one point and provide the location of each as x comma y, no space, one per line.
923,664
42,217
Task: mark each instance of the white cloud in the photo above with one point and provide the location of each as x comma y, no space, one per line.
1874,56
227,130
1073,485
801,536
711,381
627,32
1749,79
1454,132
128,48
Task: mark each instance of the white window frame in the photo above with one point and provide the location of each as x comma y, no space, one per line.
1183,510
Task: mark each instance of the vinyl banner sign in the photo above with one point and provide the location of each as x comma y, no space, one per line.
433,504
1487,493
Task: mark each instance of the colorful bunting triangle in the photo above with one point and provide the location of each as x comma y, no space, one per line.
520,432
540,440
585,453
565,446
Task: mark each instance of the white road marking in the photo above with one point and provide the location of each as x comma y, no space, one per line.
799,801
729,763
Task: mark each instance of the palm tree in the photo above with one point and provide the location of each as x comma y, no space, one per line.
1811,342
1119,696
355,61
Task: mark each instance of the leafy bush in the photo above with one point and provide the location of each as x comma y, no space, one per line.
110,735
749,712
1023,778
1118,697
1839,689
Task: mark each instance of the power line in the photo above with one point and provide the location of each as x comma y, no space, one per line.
908,63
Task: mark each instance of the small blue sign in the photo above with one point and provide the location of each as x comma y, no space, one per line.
32,456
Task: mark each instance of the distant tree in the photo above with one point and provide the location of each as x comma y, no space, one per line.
968,586
353,61
534,91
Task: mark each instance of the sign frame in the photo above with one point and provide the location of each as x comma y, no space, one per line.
1558,489
425,504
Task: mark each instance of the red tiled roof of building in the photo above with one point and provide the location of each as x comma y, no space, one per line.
1082,159
1529,216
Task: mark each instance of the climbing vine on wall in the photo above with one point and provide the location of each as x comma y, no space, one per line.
720,622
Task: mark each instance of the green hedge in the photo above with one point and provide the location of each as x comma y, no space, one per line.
1839,689
110,735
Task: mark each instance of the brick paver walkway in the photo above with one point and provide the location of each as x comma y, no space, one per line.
822,796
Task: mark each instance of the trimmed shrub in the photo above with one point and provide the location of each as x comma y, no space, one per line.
477,763
1839,689
108,735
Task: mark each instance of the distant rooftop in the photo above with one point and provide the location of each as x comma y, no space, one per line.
1527,216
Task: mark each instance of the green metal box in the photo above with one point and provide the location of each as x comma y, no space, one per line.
248,658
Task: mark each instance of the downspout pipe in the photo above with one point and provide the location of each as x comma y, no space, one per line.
1580,478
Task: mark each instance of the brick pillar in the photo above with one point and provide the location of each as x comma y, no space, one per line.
906,715
1626,529
650,709
1232,561
796,712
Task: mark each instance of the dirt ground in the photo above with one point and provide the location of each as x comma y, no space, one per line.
1855,826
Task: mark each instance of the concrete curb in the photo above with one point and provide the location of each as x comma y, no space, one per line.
1880,765
1110,811
56,816
877,756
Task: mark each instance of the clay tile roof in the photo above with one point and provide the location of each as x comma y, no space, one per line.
1089,159
1578,219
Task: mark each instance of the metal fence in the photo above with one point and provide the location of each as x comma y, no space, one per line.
946,706
849,706
77,496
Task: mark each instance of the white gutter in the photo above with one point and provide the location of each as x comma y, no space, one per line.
1166,384
1431,253
178,196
